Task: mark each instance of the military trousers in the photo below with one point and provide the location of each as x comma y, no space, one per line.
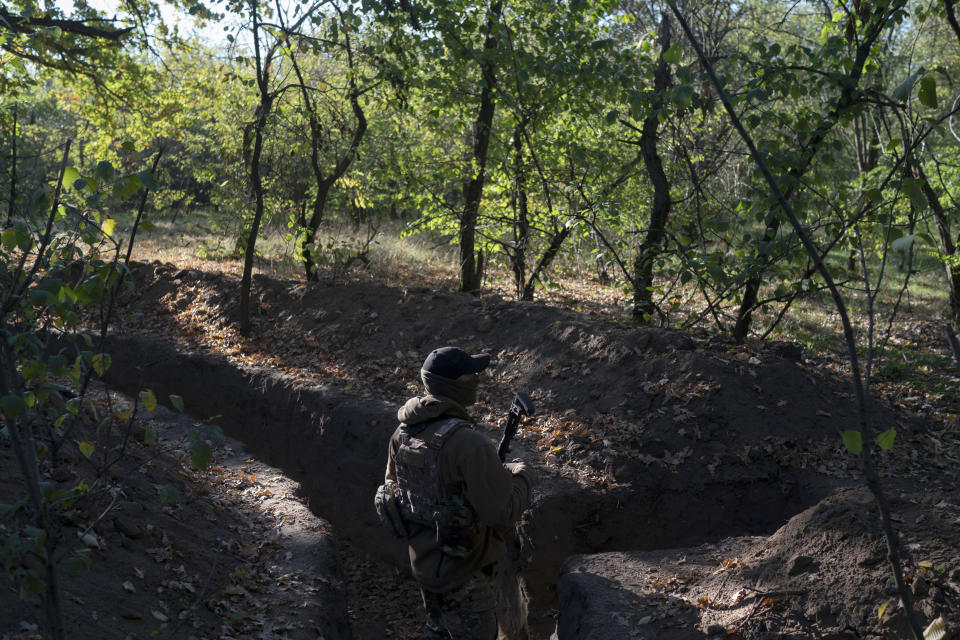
466,612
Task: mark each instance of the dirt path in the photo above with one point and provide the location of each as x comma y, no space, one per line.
382,600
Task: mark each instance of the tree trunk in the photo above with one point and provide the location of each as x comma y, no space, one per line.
653,242
257,181
13,170
861,391
521,225
952,17
555,244
325,183
310,230
263,109
848,98
470,276
947,247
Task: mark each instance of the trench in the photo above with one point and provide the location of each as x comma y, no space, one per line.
334,444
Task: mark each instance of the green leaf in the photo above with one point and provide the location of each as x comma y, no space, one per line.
105,170
9,239
70,177
86,448
30,585
7,509
914,191
169,493
885,439
41,200
146,178
100,363
149,436
200,454
73,406
108,226
853,441
146,225
177,402
149,400
682,96
78,561
127,187
928,92
673,54
32,369
12,406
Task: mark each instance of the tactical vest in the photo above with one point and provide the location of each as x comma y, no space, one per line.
422,497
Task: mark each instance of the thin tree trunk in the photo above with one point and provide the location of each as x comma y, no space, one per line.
13,171
952,17
521,226
249,251
470,275
21,429
311,228
649,137
552,250
848,98
947,246
266,102
325,183
861,392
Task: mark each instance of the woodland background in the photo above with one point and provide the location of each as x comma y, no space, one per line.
682,164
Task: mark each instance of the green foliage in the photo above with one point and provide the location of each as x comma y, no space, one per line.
853,441
61,259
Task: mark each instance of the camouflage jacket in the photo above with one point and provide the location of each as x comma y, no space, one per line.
469,466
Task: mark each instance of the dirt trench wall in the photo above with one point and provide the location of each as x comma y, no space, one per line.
335,446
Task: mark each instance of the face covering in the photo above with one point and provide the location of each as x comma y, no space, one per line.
463,392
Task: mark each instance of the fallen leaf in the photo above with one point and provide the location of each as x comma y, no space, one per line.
883,609
936,631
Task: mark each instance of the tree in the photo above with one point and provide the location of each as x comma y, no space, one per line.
655,237
859,441
320,133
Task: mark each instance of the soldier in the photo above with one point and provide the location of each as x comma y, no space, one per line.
447,492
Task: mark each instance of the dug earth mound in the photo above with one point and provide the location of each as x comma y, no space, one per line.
647,440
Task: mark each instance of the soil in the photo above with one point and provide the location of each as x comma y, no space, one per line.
229,552
645,439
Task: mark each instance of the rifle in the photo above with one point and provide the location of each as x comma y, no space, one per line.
521,405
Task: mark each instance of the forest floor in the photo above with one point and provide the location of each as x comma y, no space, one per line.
325,333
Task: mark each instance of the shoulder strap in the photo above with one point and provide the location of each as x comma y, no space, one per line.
445,430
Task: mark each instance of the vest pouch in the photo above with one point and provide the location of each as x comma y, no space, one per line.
456,528
388,511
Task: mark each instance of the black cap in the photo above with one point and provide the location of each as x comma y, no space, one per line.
451,362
